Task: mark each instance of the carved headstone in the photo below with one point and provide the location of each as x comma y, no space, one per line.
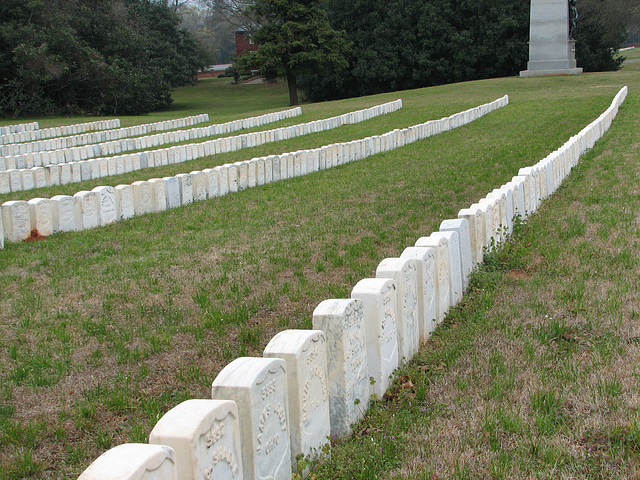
426,292
63,213
205,436
342,321
378,298
107,201
443,289
41,216
133,461
305,352
259,388
404,272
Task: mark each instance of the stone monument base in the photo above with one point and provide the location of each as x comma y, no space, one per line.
539,73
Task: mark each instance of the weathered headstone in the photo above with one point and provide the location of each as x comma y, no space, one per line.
41,214
124,202
86,209
172,192
443,289
200,185
342,321
134,461
461,226
142,200
477,235
158,194
426,292
455,264
404,272
107,202
259,388
378,298
305,352
63,213
205,435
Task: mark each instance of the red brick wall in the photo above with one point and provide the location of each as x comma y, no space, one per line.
243,45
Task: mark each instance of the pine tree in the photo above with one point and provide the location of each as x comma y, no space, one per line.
294,38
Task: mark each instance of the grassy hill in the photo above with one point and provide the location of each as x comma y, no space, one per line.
103,331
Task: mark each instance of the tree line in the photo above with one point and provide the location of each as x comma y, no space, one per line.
109,57
340,49
100,57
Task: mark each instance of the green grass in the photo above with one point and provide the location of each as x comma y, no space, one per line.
103,331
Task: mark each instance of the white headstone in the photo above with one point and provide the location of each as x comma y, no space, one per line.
223,178
107,200
186,188
213,182
133,461
455,264
142,200
205,435
305,352
496,221
16,220
63,213
343,324
461,226
443,289
232,170
41,214
86,209
378,297
200,185
477,235
426,292
259,388
404,272
172,192
124,202
158,194
28,180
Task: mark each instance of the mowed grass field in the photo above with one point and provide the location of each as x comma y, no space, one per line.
534,375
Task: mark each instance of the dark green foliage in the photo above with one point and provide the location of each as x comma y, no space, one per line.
600,32
403,45
400,45
295,38
91,56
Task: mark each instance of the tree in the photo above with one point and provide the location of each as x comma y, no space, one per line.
402,45
602,27
91,56
294,38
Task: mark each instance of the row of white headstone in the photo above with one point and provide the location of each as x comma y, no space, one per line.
105,204
310,384
62,172
20,127
17,155
108,142
33,134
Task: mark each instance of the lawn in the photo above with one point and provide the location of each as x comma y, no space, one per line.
103,331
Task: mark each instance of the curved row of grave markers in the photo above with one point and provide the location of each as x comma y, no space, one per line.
64,172
29,132
205,434
20,155
17,128
104,205
265,411
109,142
